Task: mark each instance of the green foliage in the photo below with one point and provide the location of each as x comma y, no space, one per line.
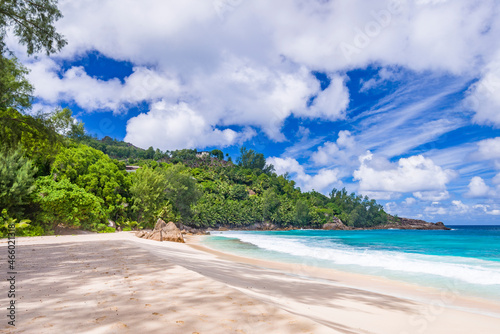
184,155
67,204
270,205
73,162
356,210
149,194
114,148
103,228
218,154
15,90
34,135
98,174
9,224
129,225
253,160
62,122
165,192
86,187
16,179
301,214
32,22
182,190
150,153
238,192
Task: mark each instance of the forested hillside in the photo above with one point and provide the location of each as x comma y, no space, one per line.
52,175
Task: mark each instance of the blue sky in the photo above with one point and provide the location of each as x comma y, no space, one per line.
398,100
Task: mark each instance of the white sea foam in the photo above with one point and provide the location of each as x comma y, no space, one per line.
469,270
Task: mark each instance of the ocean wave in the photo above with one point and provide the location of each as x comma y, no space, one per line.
469,270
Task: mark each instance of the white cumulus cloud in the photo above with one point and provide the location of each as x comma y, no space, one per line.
484,95
432,195
95,94
479,188
339,152
489,148
176,126
460,207
413,174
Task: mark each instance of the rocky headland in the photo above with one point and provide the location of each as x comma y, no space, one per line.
337,224
172,232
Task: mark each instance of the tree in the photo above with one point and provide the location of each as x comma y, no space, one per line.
22,227
153,190
149,153
238,192
217,154
182,190
158,155
67,204
33,134
98,174
63,122
15,90
32,22
253,160
149,195
72,162
270,204
302,216
16,179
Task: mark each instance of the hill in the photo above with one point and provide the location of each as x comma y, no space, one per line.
79,181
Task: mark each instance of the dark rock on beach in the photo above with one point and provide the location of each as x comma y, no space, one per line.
162,232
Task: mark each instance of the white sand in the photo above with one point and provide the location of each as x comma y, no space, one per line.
117,283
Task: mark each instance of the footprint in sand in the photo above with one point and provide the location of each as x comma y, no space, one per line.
120,325
100,319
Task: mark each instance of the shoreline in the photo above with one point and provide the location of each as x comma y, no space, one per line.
400,289
118,283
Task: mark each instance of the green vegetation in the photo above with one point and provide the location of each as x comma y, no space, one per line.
22,228
14,88
164,192
53,174
64,203
16,179
85,187
32,22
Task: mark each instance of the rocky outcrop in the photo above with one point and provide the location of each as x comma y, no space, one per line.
142,233
409,224
186,230
336,224
265,226
162,232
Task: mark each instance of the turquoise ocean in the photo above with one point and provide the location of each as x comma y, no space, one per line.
465,260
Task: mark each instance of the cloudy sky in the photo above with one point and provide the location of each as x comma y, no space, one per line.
398,100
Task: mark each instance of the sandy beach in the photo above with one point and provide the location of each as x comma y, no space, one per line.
117,283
